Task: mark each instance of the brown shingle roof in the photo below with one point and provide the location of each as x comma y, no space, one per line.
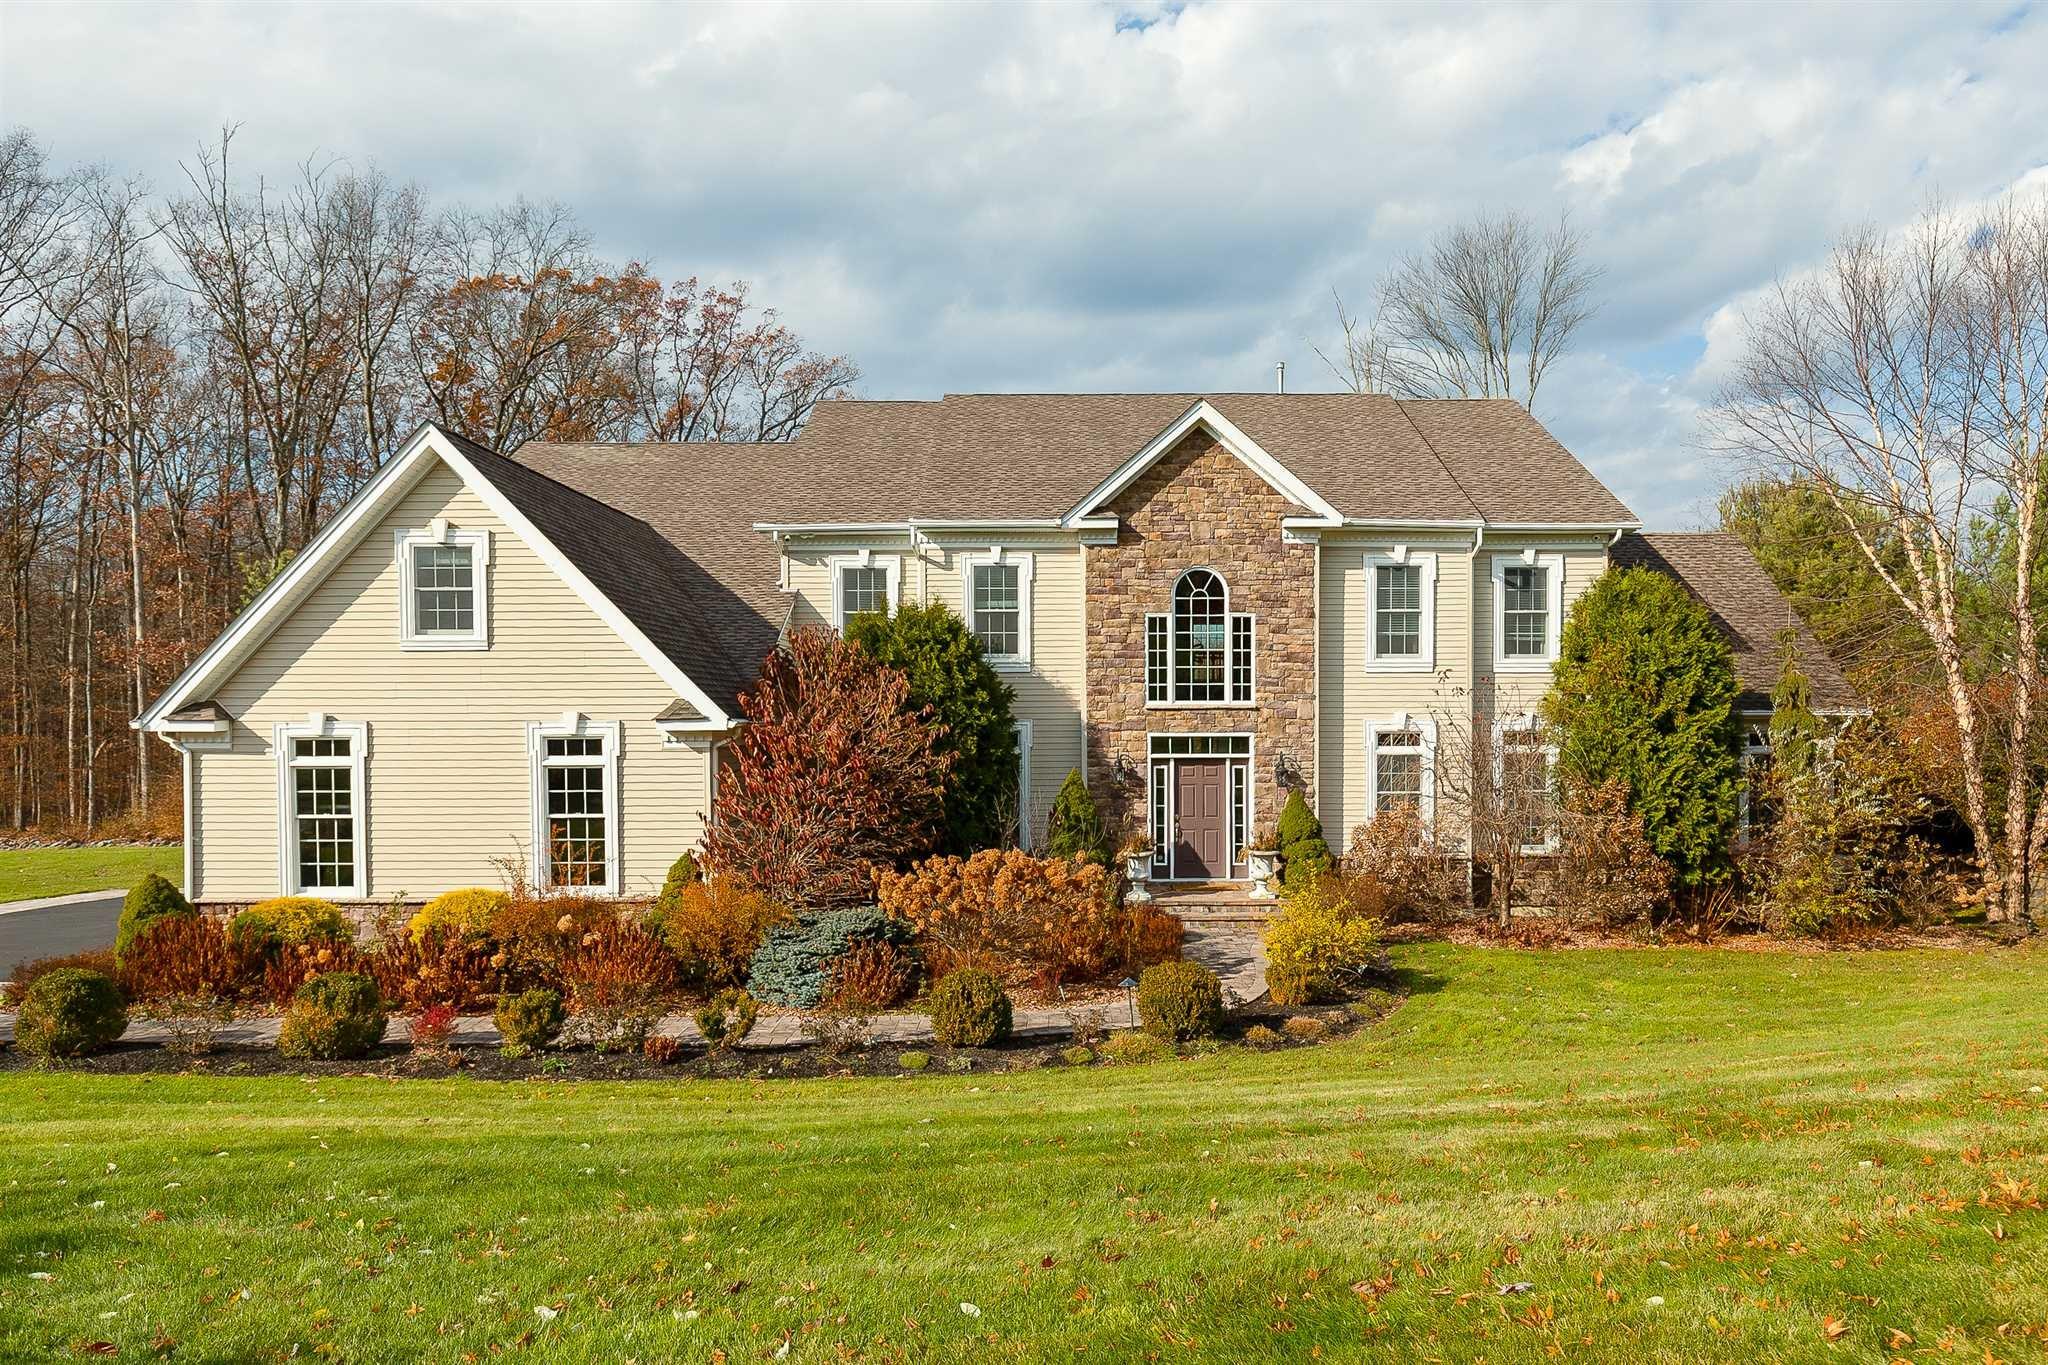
1718,569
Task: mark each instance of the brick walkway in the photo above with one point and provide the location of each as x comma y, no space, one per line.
1237,957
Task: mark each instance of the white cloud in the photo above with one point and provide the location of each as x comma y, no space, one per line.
1135,195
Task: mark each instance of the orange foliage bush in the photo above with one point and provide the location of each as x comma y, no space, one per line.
713,928
1047,920
292,965
440,967
872,974
192,956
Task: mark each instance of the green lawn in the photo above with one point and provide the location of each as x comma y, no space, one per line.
28,873
1684,1155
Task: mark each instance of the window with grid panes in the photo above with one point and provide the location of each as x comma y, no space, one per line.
1525,786
1397,770
862,589
324,813
1525,612
578,824
1201,645
998,609
443,590
1397,610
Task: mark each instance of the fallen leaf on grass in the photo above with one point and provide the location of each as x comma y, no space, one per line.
1833,1328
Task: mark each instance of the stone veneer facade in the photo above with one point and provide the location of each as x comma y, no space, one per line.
1199,507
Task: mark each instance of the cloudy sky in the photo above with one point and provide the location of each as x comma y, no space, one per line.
1133,196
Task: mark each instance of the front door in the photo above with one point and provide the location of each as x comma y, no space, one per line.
1201,836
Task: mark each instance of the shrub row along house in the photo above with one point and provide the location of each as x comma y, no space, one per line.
1201,602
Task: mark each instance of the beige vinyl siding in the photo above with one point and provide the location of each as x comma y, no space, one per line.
1355,695
1050,692
448,775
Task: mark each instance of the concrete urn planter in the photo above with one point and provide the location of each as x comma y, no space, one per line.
1137,870
1264,864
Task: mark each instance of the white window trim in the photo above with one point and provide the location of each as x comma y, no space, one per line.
1503,726
440,533
1024,785
575,726
1425,660
319,725
1554,583
891,566
1229,652
995,557
1425,728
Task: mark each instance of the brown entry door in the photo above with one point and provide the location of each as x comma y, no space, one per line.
1201,842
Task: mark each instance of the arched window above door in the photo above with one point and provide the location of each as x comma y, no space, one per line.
1199,652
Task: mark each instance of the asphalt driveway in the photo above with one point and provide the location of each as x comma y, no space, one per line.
61,924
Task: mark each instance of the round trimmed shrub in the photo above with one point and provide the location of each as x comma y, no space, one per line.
148,901
530,1020
1180,1000
335,1016
287,921
467,911
970,1009
682,872
70,1012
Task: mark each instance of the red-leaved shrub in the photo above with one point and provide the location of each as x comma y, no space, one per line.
619,979
100,960
439,967
872,974
291,965
831,773
192,957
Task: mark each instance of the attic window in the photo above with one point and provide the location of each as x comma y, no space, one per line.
443,580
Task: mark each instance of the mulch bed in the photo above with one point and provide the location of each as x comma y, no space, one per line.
397,1062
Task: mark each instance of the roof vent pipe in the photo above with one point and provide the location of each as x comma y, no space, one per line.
1280,377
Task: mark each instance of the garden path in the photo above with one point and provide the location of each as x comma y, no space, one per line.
1234,954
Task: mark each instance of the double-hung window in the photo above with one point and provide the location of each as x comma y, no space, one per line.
576,803
1526,796
444,601
1401,607
1200,653
998,597
861,584
1528,595
321,831
1402,758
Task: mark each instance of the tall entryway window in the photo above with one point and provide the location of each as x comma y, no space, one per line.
1201,806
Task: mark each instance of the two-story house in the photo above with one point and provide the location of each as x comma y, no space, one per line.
1200,602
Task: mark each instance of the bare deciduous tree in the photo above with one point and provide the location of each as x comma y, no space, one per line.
1482,312
1907,379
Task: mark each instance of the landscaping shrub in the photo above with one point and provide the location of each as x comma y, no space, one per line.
292,920
969,1009
838,1032
619,980
333,1017
1304,855
190,956
190,1022
1080,1054
1644,692
1304,1028
913,1061
1075,828
727,1019
714,928
432,1033
681,873
1261,1035
529,1020
292,965
533,931
791,966
1607,873
872,974
26,974
439,966
147,901
70,1012
1134,1047
466,911
1045,920
662,1050
1324,938
833,772
1178,1001
1417,868
952,682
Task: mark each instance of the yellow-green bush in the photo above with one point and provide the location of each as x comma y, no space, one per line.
467,911
1323,938
292,920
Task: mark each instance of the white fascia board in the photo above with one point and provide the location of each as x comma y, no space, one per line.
827,528
1609,527
607,611
1387,523
312,563
1227,433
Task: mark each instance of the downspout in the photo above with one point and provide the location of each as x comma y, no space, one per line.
1472,676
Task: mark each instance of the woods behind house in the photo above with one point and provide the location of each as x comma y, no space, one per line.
193,378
